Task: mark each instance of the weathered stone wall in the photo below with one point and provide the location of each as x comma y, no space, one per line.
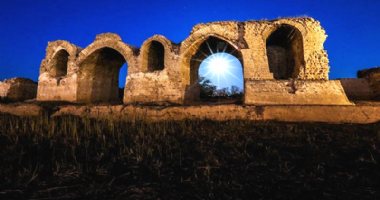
152,88
18,89
162,72
158,86
53,86
295,92
314,63
362,114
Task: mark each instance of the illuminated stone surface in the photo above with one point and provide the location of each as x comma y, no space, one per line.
362,113
18,89
272,53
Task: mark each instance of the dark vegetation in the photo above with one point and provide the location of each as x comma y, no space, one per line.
5,100
78,158
209,92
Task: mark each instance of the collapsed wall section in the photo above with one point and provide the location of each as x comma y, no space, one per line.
17,89
373,77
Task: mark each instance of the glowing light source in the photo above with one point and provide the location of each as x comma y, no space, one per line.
220,69
218,64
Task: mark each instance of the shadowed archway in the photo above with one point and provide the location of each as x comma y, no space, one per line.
99,76
156,56
285,52
58,64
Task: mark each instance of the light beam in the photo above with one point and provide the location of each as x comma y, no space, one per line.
220,69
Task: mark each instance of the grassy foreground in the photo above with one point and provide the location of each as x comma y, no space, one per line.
75,158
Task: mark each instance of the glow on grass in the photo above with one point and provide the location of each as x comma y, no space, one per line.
222,69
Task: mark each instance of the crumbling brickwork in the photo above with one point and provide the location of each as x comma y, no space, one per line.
17,89
59,86
162,72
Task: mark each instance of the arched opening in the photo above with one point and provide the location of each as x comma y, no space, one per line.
59,64
156,56
216,73
285,52
99,76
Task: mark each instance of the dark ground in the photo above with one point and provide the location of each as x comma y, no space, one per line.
75,158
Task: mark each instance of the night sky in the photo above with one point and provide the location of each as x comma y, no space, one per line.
352,26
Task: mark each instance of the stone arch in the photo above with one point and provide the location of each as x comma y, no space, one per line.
285,51
59,56
192,57
189,50
154,53
228,31
98,76
99,65
109,40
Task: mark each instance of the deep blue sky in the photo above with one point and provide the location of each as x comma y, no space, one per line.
353,26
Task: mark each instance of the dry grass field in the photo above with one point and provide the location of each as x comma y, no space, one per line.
78,158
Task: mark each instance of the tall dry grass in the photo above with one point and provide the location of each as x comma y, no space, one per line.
70,157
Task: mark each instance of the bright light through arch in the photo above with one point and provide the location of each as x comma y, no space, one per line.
223,70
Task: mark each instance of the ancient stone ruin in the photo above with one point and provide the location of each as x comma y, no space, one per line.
284,62
17,89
